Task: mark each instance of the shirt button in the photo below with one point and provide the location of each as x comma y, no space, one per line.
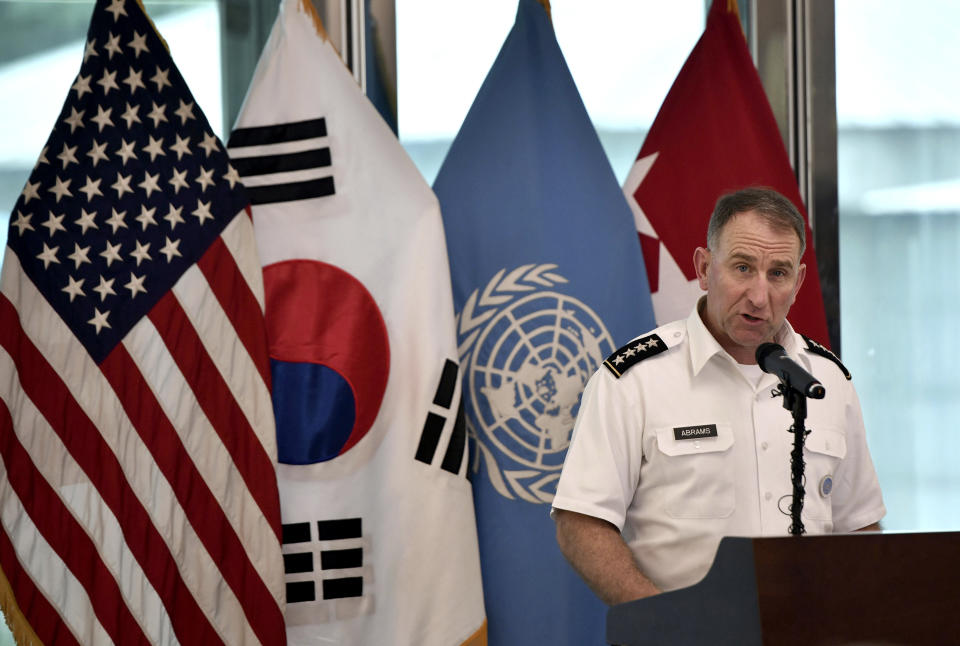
768,495
764,446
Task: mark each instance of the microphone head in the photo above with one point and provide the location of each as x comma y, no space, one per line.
764,350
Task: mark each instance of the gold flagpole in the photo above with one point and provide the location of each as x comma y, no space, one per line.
310,10
546,7
735,10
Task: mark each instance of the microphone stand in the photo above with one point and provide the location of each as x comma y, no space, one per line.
795,402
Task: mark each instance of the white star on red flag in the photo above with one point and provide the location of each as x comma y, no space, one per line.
679,175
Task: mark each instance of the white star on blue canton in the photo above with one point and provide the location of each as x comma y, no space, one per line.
23,222
113,46
117,9
99,319
108,81
74,287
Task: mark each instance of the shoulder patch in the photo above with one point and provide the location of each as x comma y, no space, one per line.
633,353
816,348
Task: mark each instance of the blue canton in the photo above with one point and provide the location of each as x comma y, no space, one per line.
130,190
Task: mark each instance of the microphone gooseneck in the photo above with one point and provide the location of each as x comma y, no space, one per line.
796,385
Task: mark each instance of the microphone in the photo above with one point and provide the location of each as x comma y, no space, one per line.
773,359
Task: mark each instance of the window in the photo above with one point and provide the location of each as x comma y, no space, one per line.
623,56
898,108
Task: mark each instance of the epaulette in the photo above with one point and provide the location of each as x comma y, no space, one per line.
633,353
816,348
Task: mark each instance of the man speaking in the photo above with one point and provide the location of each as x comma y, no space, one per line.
679,441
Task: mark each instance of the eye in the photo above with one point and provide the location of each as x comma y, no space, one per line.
742,268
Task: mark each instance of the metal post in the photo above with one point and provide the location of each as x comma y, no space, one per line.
794,51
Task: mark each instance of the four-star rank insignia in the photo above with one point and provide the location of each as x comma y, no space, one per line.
633,353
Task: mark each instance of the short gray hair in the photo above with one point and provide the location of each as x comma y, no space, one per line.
776,209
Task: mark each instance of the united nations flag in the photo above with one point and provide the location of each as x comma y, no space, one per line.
548,280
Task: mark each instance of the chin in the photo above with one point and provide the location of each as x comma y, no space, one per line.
751,341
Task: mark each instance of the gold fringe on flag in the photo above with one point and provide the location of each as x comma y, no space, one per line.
478,638
155,30
22,631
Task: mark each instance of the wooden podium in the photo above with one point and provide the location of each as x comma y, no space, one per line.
863,589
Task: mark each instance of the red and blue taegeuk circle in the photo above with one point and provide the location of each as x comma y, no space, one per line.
329,359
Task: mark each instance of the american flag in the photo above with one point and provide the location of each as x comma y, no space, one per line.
138,491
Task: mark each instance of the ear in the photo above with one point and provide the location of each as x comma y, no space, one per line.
701,262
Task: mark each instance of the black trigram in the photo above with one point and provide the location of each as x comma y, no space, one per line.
331,560
433,426
283,162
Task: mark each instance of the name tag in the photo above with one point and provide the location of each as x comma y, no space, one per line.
695,432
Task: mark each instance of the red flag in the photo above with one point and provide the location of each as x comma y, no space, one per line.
714,133
138,491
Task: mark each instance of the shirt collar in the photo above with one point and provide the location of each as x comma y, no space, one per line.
703,345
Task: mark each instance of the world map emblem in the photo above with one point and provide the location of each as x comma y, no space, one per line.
527,350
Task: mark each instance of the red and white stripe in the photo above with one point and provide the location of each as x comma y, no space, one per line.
138,498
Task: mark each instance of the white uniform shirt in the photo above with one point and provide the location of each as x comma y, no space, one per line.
673,499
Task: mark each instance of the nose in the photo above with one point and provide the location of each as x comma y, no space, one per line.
758,292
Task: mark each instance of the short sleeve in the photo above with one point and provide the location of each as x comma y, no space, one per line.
601,469
857,499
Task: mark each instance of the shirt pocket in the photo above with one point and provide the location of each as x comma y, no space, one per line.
698,474
824,449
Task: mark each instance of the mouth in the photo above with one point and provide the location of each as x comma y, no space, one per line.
751,319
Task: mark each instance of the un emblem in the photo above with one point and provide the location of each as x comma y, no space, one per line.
527,352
